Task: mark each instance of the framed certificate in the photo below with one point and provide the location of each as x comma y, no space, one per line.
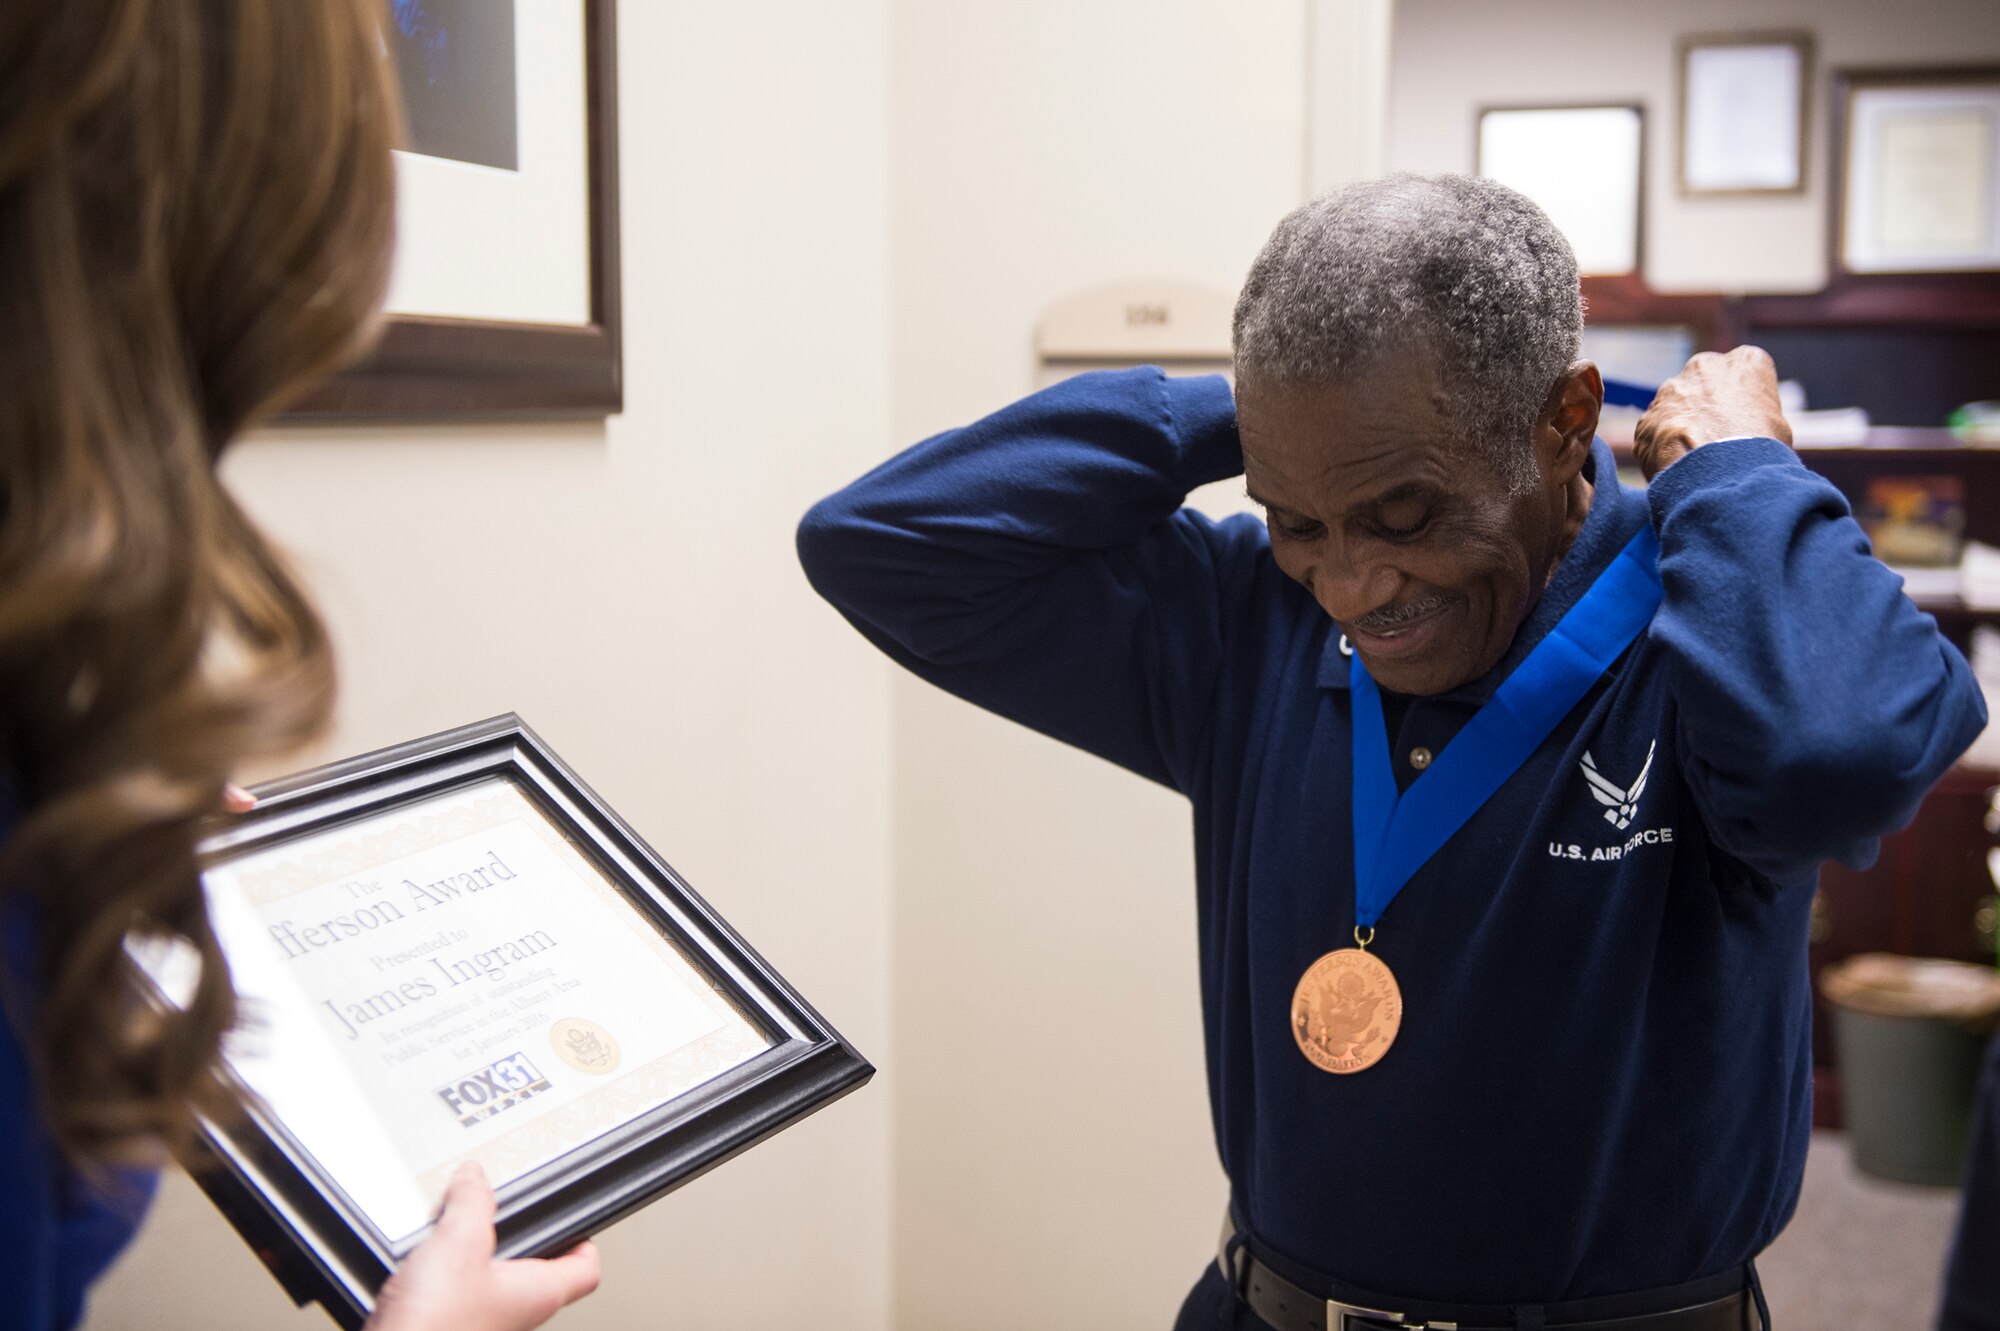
1745,102
1919,165
453,950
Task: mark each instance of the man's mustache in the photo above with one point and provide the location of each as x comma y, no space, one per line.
1394,617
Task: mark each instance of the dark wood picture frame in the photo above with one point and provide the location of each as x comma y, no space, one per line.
1799,40
1847,82
1479,114
435,369
295,1216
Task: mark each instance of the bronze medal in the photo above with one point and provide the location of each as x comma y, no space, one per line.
1346,1011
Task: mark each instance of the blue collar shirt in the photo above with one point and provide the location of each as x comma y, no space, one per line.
1602,1083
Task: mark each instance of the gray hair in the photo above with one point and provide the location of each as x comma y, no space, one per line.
1459,268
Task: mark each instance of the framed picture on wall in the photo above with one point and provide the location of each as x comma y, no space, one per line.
504,297
1918,166
1745,105
453,950
1583,165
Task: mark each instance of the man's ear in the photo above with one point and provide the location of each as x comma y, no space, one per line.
1569,421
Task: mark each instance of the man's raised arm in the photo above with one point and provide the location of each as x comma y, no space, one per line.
1818,705
1038,563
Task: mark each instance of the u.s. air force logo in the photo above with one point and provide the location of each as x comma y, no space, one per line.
1621,806
1620,803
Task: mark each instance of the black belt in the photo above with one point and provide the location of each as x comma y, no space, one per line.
1730,1302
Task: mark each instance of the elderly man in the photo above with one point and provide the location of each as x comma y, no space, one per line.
1509,782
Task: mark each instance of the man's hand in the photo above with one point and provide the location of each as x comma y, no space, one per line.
1729,396
452,1283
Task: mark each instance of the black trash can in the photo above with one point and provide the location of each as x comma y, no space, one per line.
1909,1032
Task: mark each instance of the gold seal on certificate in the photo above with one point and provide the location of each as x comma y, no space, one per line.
584,1045
452,951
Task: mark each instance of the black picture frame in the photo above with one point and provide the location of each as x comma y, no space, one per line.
1847,85
427,369
320,1246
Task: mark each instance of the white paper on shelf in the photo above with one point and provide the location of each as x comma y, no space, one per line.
1985,749
1980,566
1930,582
1831,428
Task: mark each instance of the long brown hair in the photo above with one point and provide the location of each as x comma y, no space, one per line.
196,213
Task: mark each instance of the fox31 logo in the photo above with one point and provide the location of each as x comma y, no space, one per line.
498,1086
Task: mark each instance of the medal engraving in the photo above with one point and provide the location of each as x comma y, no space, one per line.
1346,1011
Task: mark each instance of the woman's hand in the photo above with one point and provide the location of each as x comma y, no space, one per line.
452,1283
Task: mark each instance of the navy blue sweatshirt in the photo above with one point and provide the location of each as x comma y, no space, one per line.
58,1231
1603,1079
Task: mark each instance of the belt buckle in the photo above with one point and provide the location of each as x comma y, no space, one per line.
1352,1317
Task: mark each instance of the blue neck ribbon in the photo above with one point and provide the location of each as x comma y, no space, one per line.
1625,393
1395,834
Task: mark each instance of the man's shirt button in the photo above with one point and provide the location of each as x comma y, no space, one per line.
1420,758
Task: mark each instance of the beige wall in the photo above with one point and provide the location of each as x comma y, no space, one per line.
1452,56
1054,1163
631,590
